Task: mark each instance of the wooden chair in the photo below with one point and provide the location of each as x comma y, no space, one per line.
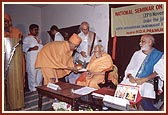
158,96
107,82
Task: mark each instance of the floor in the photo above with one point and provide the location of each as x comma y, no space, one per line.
31,102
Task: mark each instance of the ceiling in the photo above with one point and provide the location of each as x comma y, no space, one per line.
38,5
111,5
43,5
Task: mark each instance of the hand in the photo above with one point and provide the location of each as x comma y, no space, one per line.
71,68
83,54
131,78
140,81
53,79
75,70
159,92
33,48
89,74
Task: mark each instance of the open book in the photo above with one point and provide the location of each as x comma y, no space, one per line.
124,96
127,92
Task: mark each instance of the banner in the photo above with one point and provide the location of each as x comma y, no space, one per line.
137,19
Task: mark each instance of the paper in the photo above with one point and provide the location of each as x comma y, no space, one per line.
84,90
53,86
82,70
97,95
115,100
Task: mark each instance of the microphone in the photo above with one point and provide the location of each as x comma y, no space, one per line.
19,42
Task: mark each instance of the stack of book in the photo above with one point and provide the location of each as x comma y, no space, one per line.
121,98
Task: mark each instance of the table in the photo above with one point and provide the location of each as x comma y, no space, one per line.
96,102
64,94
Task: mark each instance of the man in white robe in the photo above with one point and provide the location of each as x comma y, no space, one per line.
31,46
144,65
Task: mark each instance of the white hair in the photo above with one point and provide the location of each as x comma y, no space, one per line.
150,36
84,23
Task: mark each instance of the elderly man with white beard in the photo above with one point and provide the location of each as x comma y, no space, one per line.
144,65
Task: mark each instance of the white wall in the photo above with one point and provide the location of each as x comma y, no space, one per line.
62,15
65,15
23,15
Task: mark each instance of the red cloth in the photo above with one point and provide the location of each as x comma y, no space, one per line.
138,99
82,77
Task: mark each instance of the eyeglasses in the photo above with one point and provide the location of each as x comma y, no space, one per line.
96,51
84,29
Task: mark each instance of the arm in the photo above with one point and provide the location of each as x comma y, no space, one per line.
132,67
33,48
140,81
29,44
91,74
159,68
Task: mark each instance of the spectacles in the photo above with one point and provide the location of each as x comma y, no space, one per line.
85,29
96,51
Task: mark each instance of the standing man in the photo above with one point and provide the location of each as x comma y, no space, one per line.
55,58
31,46
16,71
84,51
144,65
89,41
55,32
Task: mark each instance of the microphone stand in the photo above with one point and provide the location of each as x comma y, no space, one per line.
6,71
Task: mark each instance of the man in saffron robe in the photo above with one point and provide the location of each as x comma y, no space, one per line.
14,75
99,63
144,65
55,58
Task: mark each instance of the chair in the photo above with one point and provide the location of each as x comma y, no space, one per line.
159,98
107,82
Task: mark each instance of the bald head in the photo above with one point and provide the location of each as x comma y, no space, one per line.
7,17
98,49
7,22
146,43
84,27
149,37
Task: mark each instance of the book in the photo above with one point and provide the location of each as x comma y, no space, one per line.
128,92
115,102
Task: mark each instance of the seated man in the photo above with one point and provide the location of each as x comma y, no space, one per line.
144,65
99,63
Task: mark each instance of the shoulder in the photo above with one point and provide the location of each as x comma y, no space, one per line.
58,43
138,52
91,32
58,33
158,51
80,34
106,55
27,37
16,30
